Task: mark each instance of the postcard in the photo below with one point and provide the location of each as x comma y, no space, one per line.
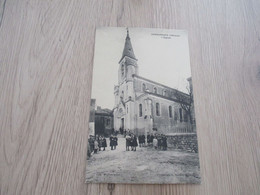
142,126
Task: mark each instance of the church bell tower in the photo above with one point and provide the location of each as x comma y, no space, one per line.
124,91
128,62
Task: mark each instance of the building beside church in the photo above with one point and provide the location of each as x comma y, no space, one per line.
101,120
143,105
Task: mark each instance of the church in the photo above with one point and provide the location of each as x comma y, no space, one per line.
144,106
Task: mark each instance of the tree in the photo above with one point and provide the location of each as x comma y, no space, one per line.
186,100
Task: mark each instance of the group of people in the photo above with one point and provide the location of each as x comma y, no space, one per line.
160,142
113,141
96,143
131,141
150,139
141,139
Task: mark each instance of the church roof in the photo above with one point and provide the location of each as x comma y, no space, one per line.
128,49
164,86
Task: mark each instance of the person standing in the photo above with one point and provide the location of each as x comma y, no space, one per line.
143,140
99,142
115,141
159,138
104,143
127,143
132,141
89,151
164,142
155,143
148,139
91,143
95,146
111,139
135,144
140,140
151,139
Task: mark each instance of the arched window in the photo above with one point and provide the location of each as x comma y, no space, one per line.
170,111
157,109
140,110
175,115
180,111
164,92
155,90
144,87
123,70
185,117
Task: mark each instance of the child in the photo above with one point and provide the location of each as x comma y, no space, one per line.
104,143
128,142
95,146
155,143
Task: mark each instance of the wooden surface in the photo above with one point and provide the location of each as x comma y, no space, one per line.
46,53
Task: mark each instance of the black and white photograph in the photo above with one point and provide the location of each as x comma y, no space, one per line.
142,126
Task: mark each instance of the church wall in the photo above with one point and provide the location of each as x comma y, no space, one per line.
116,121
139,120
128,118
131,112
162,123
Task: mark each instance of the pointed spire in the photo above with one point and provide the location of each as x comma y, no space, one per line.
128,49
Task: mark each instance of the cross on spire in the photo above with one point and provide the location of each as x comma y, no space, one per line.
127,32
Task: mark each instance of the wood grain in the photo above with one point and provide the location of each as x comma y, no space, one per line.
46,53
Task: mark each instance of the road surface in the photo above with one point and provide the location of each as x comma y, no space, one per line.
146,165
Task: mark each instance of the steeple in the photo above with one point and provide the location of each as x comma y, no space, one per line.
128,49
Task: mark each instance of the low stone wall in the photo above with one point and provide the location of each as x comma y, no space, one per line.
183,141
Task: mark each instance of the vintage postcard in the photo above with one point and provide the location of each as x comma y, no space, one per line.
142,126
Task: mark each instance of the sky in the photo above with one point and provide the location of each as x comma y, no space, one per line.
163,56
